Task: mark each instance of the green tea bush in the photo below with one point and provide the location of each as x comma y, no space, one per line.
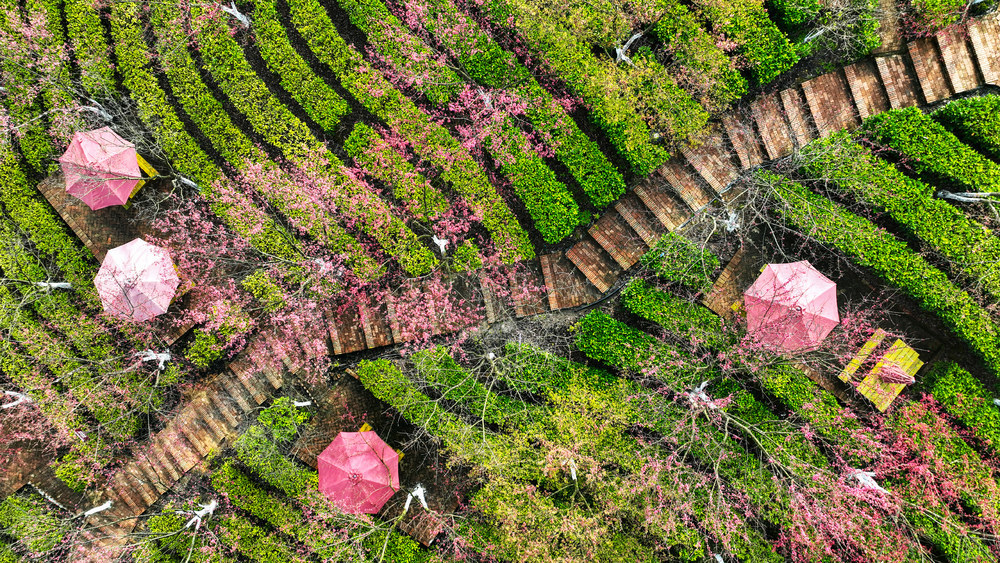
676,259
971,248
931,151
975,121
965,398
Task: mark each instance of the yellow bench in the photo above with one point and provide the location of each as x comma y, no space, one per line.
148,169
862,355
880,393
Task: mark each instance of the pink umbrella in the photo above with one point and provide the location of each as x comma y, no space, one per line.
101,168
358,472
137,281
791,306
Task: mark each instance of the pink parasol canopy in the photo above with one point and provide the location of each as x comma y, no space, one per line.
358,472
101,168
791,306
137,281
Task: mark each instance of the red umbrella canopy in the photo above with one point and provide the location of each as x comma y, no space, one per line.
791,306
101,168
358,472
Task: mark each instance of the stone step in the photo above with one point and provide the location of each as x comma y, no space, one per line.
128,498
957,58
712,162
152,475
685,183
375,325
141,483
190,424
524,292
163,463
930,71
251,383
567,285
668,209
984,33
180,449
799,118
829,100
743,140
866,88
640,218
618,239
44,479
774,131
238,393
211,417
223,402
899,81
345,330
599,268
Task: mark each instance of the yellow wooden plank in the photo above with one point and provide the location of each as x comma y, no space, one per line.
880,393
145,166
863,353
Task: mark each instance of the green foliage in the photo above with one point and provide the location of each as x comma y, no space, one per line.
971,478
90,48
183,151
30,521
257,448
204,350
767,50
466,257
428,139
685,319
676,259
492,66
403,50
265,290
441,372
695,50
169,541
276,124
254,542
8,556
975,121
889,257
620,98
48,234
971,248
282,419
381,161
237,148
790,14
965,398
938,14
318,100
931,151
547,200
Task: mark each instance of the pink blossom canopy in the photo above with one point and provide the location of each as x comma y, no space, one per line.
137,281
101,168
791,306
358,472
